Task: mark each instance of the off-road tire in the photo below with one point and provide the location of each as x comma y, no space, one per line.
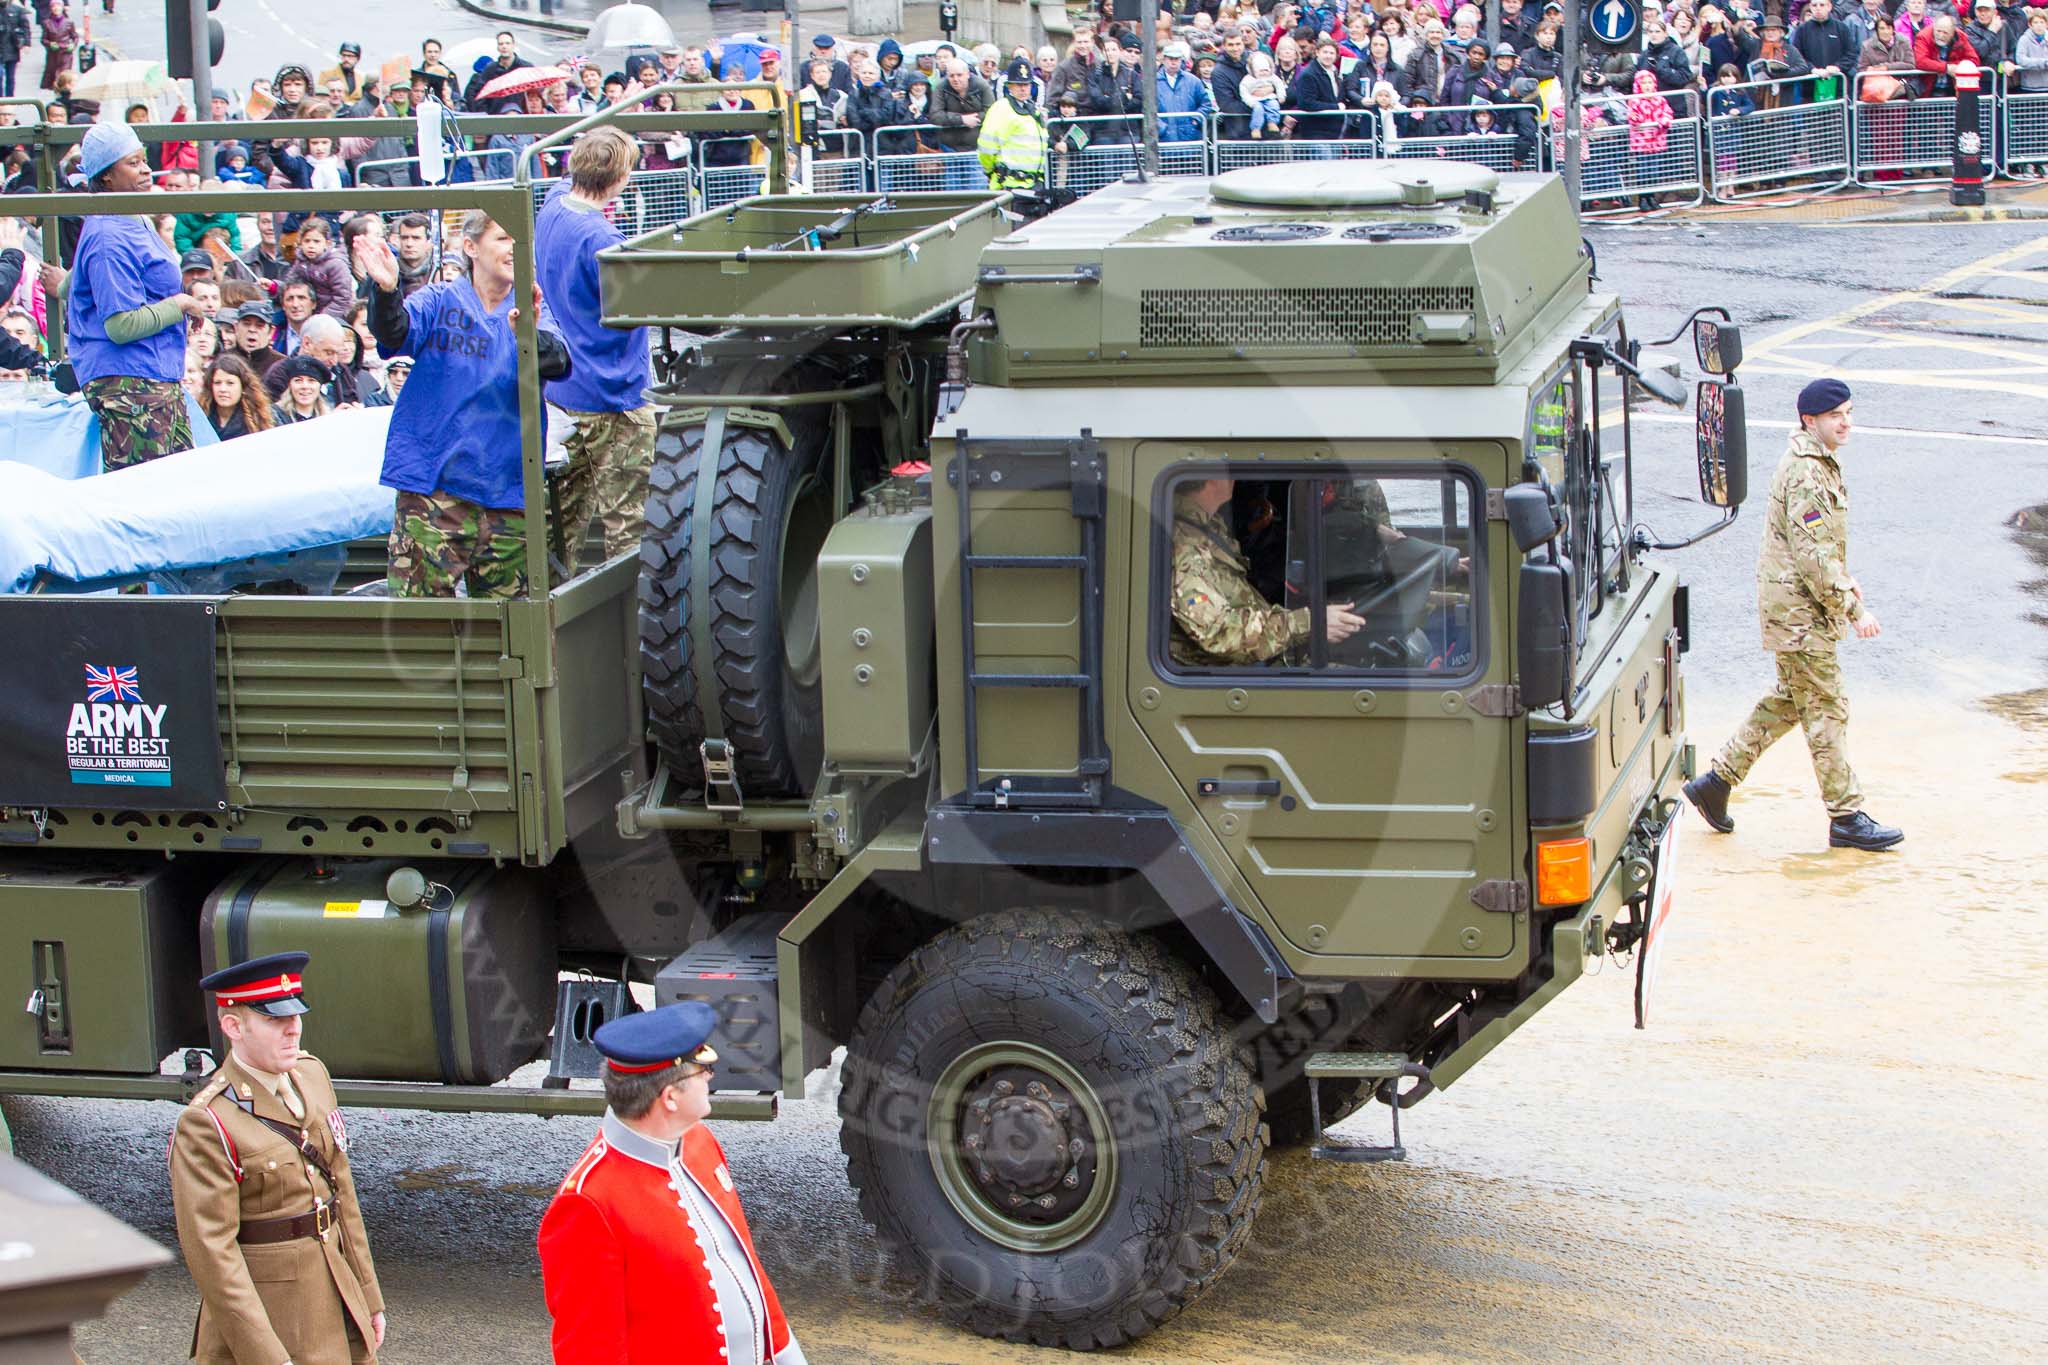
1142,1030
772,719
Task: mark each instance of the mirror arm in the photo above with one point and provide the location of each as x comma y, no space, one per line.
1646,541
1686,326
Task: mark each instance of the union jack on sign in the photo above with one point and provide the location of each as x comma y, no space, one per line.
111,682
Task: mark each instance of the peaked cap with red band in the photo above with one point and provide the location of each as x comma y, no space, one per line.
271,985
655,1040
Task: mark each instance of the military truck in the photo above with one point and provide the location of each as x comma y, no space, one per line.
889,741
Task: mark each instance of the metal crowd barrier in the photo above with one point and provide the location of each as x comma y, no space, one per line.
2024,124
1614,169
838,163
1912,141
718,185
1232,153
1755,153
1104,162
653,197
1499,149
915,163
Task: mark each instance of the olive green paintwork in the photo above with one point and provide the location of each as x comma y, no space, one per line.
1142,283
904,262
875,602
501,730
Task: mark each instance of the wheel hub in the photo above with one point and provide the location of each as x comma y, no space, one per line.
1023,1154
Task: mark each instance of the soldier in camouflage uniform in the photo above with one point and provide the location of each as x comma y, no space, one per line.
610,454
1218,616
438,540
1805,595
140,419
604,393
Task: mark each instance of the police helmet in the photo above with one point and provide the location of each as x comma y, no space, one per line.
1018,72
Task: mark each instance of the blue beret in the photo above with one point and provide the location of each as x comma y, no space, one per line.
655,1039
270,985
1822,395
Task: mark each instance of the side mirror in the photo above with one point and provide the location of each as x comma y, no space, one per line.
1718,345
1721,437
1665,388
1532,521
1543,632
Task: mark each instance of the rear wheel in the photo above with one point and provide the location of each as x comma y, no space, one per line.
1051,1123
771,512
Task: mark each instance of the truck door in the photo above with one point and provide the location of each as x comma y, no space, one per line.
1362,785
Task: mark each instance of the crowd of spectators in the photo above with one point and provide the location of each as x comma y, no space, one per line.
278,332
284,337
1329,71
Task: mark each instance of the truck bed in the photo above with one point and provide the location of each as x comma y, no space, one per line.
344,725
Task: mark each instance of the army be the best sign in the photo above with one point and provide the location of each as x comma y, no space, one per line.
111,704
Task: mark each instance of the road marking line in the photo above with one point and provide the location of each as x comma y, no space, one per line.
1900,378
1981,437
1921,293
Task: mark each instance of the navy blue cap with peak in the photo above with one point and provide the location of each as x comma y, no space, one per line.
655,1040
273,984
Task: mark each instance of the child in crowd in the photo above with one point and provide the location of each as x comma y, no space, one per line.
1262,93
232,163
322,269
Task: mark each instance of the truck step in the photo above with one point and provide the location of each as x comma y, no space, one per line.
733,971
1383,1066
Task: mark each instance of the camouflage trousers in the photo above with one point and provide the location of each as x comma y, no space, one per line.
606,478
140,419
1809,693
439,540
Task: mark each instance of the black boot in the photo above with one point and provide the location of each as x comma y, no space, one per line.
1709,796
1860,831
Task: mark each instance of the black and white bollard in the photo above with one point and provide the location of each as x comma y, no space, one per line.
1966,185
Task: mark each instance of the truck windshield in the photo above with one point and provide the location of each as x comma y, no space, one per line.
1591,477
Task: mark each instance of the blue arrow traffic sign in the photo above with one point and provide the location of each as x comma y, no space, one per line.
1615,21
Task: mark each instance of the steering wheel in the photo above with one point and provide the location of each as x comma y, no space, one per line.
1441,557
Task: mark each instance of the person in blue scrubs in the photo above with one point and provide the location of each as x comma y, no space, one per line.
604,398
453,453
125,312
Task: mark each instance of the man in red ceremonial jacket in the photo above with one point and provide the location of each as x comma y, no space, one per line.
644,1251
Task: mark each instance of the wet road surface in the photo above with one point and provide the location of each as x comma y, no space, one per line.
1824,1149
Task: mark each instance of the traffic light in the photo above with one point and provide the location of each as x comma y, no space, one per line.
178,16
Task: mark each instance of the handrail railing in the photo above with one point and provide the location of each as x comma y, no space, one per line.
522,171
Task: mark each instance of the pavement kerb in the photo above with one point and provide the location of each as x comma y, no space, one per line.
567,27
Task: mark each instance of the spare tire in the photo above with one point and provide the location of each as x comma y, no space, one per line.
771,511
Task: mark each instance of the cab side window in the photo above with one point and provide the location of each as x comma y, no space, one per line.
1333,572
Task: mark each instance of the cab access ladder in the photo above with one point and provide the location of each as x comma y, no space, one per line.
1075,465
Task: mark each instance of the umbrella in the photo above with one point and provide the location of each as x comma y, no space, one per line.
463,55
746,49
631,26
111,81
522,79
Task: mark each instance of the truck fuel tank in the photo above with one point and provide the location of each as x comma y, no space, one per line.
459,988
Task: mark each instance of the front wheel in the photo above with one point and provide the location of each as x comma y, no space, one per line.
1050,1122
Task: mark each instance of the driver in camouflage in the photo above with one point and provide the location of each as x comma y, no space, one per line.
1218,616
1805,595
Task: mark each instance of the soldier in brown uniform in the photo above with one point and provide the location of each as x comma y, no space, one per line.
1805,595
266,1207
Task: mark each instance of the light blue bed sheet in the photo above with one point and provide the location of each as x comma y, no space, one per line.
289,488
60,435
